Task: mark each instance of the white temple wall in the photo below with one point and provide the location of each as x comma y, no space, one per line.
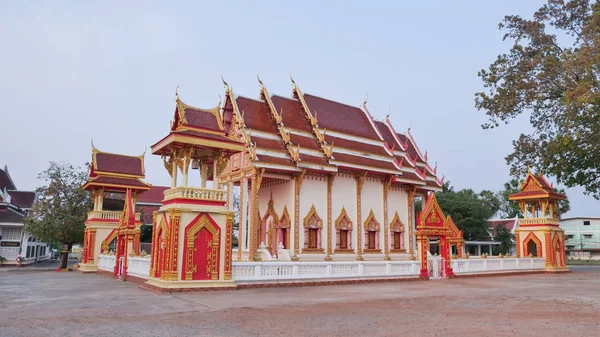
372,199
343,195
283,196
398,202
313,192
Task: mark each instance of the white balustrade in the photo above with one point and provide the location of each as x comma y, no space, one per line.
106,262
195,194
138,267
477,266
108,215
258,271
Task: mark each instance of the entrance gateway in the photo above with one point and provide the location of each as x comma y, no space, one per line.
432,224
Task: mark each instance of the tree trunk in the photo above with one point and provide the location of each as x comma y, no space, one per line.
64,255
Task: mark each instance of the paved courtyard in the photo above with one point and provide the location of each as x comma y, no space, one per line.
34,303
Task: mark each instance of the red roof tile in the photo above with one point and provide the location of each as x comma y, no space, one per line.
154,195
256,115
22,199
205,135
508,224
274,160
10,216
146,213
293,113
116,163
200,118
340,117
356,160
121,182
6,181
268,144
305,142
357,146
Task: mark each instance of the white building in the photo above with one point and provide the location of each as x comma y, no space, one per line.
582,235
14,206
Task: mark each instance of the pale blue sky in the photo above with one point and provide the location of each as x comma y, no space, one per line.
107,70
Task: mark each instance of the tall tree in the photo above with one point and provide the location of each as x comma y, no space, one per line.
60,212
551,74
505,237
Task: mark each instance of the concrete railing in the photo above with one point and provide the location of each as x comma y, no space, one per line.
195,194
265,271
477,266
535,221
106,262
108,215
138,267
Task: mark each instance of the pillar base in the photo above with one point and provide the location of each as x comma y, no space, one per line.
295,258
558,270
88,268
180,285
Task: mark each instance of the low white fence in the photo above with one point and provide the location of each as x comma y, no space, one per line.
273,271
268,271
481,266
106,262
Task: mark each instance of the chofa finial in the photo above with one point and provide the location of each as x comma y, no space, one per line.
223,79
366,99
93,147
259,80
389,113
220,101
292,79
177,92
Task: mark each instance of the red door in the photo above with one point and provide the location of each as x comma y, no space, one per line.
204,256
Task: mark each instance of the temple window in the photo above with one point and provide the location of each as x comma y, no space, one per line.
397,233
312,230
343,231
371,232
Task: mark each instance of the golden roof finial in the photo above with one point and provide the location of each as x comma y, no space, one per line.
177,93
220,101
292,79
93,147
224,82
259,80
366,99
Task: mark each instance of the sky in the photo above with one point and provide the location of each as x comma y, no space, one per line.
73,71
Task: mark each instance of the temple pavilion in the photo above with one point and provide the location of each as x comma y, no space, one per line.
318,179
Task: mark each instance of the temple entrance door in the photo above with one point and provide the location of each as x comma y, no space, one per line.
532,248
204,256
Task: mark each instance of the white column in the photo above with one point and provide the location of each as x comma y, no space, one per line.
215,176
203,174
174,174
479,249
230,196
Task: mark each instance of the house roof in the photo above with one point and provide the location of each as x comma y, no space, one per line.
22,199
7,215
5,180
154,195
509,224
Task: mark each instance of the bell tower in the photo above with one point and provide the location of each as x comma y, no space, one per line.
539,233
192,231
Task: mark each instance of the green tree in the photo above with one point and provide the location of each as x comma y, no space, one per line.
505,237
469,210
511,209
59,214
551,74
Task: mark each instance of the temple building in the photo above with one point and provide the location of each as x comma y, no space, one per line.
318,179
14,207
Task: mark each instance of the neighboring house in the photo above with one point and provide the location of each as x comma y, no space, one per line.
488,244
14,207
582,235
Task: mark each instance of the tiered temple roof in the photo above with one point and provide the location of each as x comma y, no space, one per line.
536,187
307,132
116,172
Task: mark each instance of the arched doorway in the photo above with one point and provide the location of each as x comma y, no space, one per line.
532,246
202,249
